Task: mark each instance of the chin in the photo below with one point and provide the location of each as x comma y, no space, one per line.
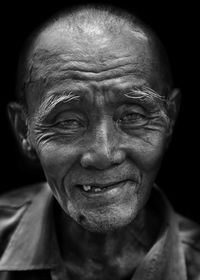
104,226
104,221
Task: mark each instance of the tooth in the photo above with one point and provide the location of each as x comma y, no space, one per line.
86,188
97,189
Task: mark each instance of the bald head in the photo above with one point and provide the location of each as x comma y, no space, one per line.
90,32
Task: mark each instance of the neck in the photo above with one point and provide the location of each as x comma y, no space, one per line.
117,252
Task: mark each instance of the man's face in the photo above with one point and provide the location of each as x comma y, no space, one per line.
97,124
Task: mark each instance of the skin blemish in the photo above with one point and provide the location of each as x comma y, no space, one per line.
81,219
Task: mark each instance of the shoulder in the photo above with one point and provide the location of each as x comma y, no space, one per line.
20,196
14,204
17,211
190,240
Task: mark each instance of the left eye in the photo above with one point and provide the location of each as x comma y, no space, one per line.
132,117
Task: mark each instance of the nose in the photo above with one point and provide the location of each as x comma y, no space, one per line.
103,149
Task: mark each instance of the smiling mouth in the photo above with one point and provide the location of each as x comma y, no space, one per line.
95,189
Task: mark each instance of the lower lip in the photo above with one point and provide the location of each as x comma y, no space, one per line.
111,191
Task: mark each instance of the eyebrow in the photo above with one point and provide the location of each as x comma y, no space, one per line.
145,93
55,98
142,94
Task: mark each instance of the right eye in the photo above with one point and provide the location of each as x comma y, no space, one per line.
69,124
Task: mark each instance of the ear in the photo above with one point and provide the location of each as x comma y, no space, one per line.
173,106
19,122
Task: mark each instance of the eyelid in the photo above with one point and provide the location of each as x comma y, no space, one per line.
133,108
67,115
67,120
145,103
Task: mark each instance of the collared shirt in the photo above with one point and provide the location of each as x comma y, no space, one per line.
29,248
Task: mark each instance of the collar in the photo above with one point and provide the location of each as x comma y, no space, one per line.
165,260
33,244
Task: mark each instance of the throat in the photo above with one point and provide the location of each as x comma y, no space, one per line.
97,256
93,270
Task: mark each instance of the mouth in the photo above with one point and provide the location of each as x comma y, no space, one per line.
91,189
93,195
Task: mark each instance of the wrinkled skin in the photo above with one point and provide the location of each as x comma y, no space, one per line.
98,136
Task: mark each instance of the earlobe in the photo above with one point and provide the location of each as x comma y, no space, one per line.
18,120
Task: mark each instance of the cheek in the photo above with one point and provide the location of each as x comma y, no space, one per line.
56,159
147,151
147,154
153,154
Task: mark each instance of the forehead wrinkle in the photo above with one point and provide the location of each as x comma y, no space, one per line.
46,65
49,56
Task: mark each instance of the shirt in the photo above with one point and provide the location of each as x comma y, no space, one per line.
29,248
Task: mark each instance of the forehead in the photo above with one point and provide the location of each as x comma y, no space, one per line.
94,59
94,45
64,35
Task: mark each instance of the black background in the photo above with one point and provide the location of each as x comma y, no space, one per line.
177,25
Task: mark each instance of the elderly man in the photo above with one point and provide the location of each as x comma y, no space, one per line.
97,107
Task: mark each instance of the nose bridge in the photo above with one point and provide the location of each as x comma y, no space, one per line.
104,142
103,147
